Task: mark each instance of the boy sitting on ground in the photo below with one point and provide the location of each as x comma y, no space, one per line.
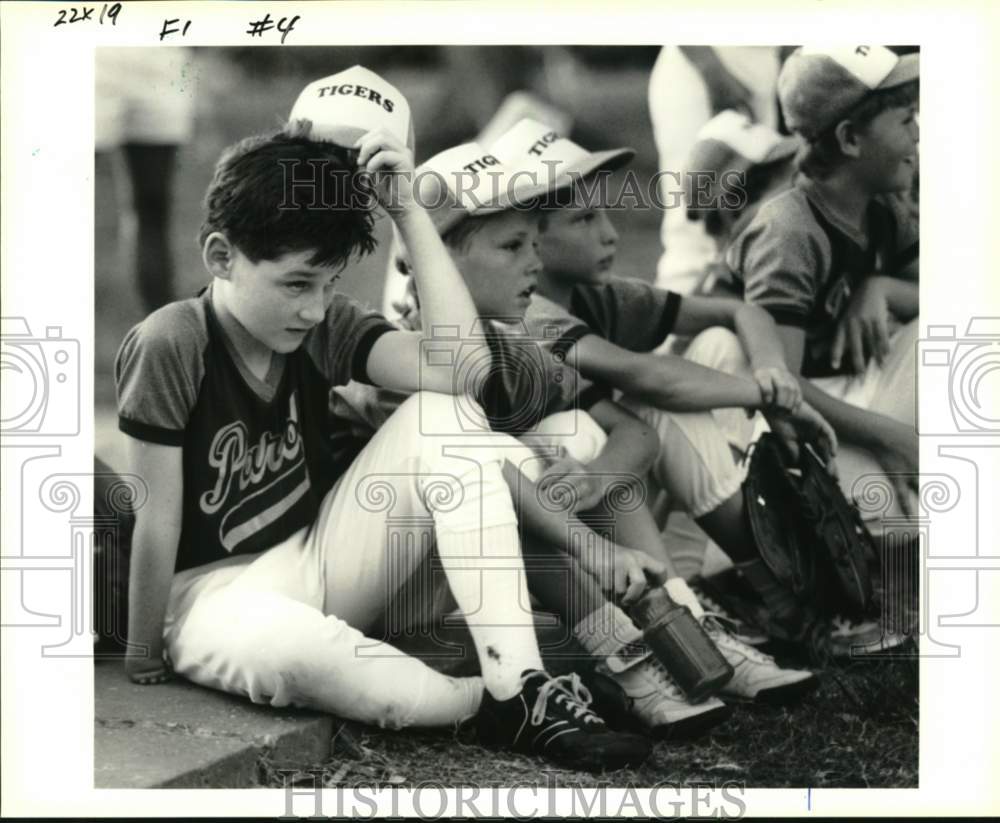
615,324
834,258
257,564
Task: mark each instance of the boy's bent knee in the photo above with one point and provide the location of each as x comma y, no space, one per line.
437,414
718,348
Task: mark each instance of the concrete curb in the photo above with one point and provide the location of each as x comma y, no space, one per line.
178,735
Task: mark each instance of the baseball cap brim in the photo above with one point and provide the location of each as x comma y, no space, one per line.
609,160
907,69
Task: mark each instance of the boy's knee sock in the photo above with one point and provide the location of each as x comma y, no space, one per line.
609,635
486,575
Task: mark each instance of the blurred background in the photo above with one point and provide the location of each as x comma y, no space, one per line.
148,188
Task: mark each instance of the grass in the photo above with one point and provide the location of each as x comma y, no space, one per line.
857,730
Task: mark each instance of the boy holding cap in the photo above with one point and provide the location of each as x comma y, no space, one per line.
254,568
834,258
616,323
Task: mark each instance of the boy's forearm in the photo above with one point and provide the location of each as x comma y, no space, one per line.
445,302
444,297
675,384
852,424
552,527
150,576
758,333
902,297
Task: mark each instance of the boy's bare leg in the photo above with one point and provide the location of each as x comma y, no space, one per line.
635,528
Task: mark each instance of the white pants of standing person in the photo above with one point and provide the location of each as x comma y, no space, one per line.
286,626
678,107
889,389
143,96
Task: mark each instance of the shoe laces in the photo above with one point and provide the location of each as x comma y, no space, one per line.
663,678
715,624
567,690
710,604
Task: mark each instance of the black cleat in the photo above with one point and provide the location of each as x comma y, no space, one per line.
550,718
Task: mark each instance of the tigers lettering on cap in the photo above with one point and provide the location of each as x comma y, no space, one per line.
817,87
468,181
530,146
351,103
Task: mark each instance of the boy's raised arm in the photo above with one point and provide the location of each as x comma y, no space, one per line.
154,550
394,361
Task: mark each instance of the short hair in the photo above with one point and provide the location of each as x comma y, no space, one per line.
458,236
822,155
248,200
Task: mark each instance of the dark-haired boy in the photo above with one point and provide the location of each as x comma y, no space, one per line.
262,553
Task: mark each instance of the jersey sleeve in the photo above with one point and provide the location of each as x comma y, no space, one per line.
158,372
781,265
343,342
529,378
629,313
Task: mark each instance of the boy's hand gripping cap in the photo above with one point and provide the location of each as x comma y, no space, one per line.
347,105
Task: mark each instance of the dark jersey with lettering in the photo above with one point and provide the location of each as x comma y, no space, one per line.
258,456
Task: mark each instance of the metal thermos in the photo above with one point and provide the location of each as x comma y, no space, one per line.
678,640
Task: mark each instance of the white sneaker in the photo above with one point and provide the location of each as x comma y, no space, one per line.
740,629
757,677
856,638
658,703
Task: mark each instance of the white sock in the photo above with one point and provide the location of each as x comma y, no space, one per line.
610,635
682,595
486,575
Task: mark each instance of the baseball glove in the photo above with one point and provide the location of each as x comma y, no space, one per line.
807,533
844,542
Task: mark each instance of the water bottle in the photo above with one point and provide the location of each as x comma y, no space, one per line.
678,640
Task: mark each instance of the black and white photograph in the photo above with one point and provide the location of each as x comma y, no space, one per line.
453,420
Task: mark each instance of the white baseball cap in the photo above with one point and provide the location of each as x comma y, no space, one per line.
351,103
817,87
468,181
539,149
730,141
